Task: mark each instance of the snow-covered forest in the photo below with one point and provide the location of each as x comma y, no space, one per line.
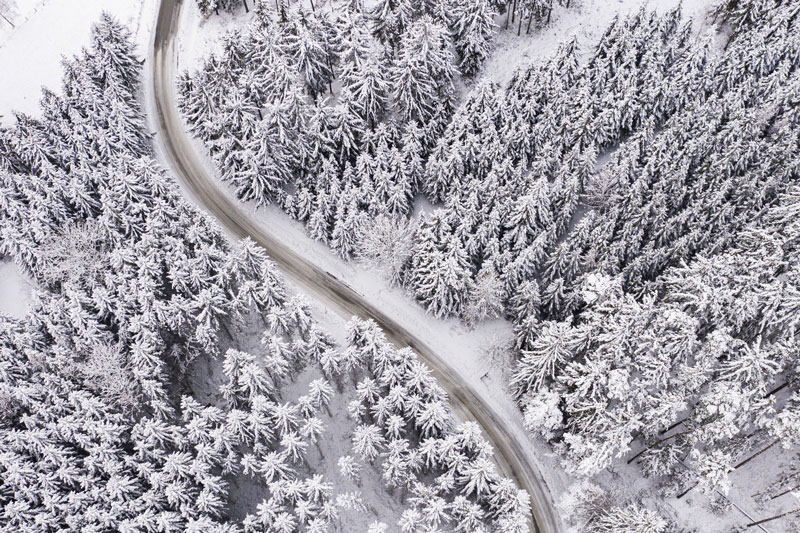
166,379
617,207
631,205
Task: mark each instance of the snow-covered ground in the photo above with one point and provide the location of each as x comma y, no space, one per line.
201,37
15,290
14,13
46,30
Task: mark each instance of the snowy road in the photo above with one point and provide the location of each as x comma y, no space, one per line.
507,439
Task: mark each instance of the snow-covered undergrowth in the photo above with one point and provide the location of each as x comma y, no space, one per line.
165,379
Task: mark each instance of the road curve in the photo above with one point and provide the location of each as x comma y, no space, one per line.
332,292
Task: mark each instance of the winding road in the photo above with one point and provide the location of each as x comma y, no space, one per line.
509,445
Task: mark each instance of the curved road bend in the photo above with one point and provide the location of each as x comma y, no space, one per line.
334,293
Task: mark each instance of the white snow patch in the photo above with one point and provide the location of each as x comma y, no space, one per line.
15,290
14,13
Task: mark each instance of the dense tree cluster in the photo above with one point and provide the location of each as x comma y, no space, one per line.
685,282
135,285
509,165
406,426
101,425
207,7
89,216
713,347
334,160
514,162
595,510
74,460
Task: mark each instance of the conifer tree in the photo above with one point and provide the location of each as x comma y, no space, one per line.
472,26
423,73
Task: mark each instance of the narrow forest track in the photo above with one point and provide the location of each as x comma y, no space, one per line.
508,442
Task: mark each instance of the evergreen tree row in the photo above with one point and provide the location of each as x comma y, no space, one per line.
514,163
